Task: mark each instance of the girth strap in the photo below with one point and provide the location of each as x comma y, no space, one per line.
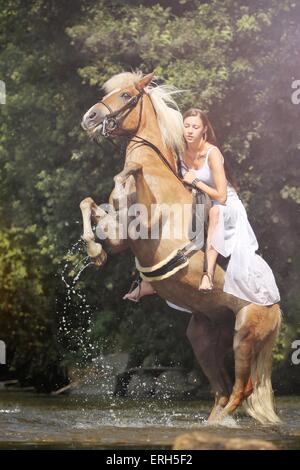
178,261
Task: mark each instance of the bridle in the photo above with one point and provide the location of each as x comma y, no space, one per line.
111,121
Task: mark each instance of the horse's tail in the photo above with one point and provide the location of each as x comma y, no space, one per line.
260,404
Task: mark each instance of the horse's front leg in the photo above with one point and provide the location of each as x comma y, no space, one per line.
94,250
110,225
107,224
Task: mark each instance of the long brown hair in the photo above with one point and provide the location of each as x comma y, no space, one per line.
211,138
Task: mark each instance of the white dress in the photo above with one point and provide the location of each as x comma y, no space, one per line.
248,276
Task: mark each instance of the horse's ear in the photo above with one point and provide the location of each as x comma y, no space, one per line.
145,81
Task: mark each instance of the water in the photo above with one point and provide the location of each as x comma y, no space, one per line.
28,420
31,421
75,319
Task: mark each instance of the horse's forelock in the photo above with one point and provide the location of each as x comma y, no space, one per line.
122,80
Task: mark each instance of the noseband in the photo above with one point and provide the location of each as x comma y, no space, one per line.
111,121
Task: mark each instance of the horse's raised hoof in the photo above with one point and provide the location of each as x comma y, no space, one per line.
95,251
99,260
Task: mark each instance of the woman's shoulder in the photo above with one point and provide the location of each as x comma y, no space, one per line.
214,153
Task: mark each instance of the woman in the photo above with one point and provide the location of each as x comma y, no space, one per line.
247,276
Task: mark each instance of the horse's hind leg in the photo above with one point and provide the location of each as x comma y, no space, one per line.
255,333
243,346
248,388
210,342
223,344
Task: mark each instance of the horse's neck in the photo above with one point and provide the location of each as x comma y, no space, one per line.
149,131
155,185
157,182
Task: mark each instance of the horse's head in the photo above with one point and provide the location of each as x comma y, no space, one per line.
120,111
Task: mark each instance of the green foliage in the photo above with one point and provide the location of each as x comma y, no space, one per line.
26,322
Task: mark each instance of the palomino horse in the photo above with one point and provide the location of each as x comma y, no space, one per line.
219,321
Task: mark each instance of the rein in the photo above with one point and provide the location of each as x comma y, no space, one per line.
147,143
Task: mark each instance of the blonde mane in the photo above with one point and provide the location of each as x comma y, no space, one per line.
169,117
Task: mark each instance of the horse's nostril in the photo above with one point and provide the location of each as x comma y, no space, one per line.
92,115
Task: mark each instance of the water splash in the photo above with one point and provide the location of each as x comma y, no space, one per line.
228,422
75,322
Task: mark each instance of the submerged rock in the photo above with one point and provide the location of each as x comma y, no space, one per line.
141,386
172,384
206,441
100,378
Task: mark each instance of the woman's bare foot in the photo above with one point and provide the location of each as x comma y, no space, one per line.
206,282
143,288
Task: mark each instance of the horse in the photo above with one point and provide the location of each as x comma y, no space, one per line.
136,107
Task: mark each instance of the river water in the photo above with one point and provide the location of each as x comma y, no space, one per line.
32,421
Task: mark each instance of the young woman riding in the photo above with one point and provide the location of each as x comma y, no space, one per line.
247,276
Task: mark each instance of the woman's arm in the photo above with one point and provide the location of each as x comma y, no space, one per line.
216,163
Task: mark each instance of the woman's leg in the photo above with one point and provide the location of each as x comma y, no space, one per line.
211,253
143,288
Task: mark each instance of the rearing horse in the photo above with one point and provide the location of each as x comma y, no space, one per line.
220,321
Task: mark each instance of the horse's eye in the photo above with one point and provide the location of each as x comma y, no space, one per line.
126,95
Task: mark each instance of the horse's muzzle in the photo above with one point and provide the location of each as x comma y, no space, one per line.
92,119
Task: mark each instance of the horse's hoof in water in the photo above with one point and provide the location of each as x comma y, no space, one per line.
215,415
219,418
